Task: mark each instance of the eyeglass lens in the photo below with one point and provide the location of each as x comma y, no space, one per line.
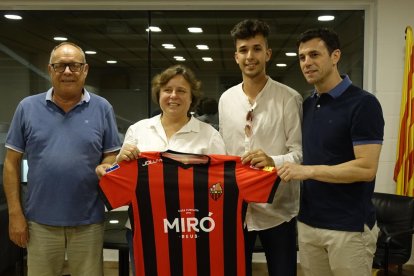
73,67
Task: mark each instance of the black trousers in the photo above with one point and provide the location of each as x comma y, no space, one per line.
279,244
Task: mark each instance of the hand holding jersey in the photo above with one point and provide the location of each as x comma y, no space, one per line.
258,159
128,152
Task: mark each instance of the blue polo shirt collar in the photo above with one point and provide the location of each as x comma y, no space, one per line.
85,96
339,89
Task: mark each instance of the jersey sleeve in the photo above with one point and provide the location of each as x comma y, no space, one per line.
118,185
257,185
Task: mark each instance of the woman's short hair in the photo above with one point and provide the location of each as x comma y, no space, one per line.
164,77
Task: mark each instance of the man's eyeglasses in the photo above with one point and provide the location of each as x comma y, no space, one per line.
61,67
248,130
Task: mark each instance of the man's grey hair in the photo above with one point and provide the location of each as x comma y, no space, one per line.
68,43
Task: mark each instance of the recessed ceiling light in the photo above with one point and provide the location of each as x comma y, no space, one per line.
326,18
13,16
154,29
207,59
195,30
179,58
60,38
291,54
168,46
111,61
281,64
202,47
114,221
88,52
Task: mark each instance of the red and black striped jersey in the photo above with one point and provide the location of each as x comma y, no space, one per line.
187,210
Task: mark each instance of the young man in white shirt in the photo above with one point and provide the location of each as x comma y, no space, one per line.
260,120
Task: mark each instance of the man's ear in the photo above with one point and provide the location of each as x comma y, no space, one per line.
268,54
85,70
336,56
50,70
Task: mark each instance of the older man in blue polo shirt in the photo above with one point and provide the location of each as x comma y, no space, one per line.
65,133
343,129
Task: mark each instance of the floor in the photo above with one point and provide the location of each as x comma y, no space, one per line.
259,269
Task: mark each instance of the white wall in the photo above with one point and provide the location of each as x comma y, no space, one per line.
392,18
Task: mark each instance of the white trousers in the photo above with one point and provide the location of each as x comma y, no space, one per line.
325,252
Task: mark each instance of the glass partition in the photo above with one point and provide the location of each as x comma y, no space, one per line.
137,54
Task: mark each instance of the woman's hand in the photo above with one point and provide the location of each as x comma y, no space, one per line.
128,152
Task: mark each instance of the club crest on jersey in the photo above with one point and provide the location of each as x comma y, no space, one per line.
216,191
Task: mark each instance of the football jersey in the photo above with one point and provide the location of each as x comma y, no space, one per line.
187,210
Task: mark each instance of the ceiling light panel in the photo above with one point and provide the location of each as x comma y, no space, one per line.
168,46
13,16
60,38
326,18
179,58
195,30
154,29
202,47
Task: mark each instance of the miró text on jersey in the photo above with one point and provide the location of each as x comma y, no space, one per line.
190,224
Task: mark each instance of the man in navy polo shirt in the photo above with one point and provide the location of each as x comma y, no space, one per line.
343,130
65,133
